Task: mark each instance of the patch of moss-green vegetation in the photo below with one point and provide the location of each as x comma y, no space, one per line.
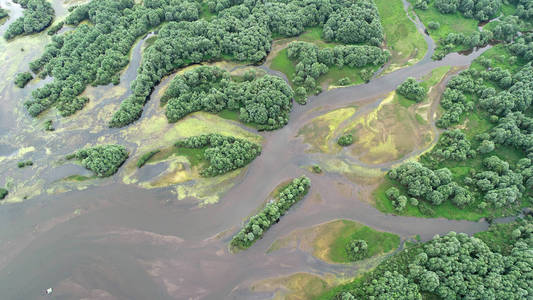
146,157
3,193
413,274
3,13
222,154
78,178
377,242
402,38
271,213
195,156
103,160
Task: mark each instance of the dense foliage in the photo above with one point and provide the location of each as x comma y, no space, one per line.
345,140
458,266
21,79
412,90
358,22
312,61
37,15
452,145
478,9
357,250
434,187
103,160
265,101
223,154
146,157
271,213
3,193
496,264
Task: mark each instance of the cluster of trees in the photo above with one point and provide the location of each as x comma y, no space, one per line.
37,15
456,266
495,264
481,10
524,9
523,47
94,54
21,79
412,90
242,31
313,61
472,40
357,250
454,99
3,193
223,153
345,140
433,186
271,213
357,23
265,101
103,160
499,184
452,145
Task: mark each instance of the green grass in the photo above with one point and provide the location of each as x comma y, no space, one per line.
499,237
448,22
205,13
378,242
283,64
193,155
79,178
434,77
401,36
500,57
234,116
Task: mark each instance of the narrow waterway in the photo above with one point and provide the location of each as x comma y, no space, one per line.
117,241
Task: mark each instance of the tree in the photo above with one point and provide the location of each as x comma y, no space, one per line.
357,250
412,90
103,160
345,140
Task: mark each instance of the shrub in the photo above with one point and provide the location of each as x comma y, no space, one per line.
433,25
3,193
344,81
357,250
146,157
22,164
317,169
21,79
345,140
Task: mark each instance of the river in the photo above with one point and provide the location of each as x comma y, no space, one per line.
116,241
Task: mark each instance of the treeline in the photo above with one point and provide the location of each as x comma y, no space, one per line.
103,160
313,61
222,153
271,213
481,10
455,266
469,41
266,101
37,15
241,31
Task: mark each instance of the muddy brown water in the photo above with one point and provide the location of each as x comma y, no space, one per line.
116,241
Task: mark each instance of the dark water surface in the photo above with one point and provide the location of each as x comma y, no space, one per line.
116,241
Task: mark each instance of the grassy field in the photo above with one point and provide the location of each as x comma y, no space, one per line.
283,64
402,38
378,242
448,22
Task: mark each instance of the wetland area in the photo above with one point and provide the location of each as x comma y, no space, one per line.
162,231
